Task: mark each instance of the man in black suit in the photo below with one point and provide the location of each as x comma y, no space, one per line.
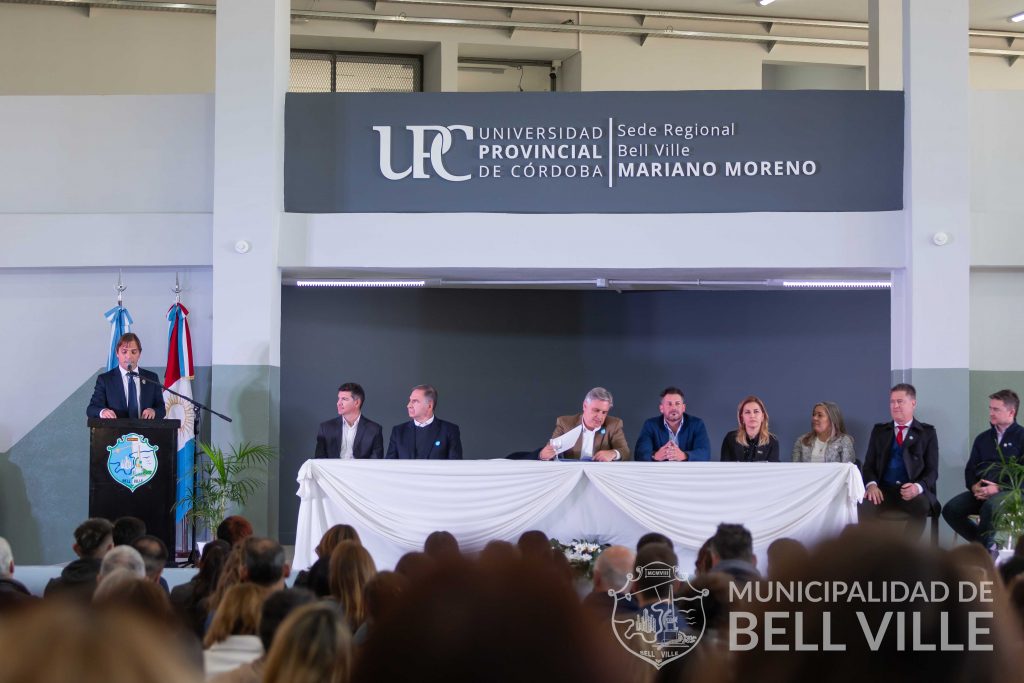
425,437
1003,440
351,434
127,390
902,464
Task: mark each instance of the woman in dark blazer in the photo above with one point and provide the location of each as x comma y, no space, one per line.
750,441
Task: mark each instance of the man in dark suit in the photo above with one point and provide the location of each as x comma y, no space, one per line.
673,435
1004,439
351,434
902,464
127,390
590,435
425,437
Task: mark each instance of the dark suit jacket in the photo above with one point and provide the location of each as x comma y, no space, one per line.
445,438
693,439
610,437
369,441
920,456
109,393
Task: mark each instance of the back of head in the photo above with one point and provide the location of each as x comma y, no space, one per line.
733,542
351,569
441,545
238,613
415,565
653,537
313,645
335,535
650,554
276,609
59,641
123,557
93,538
215,555
6,559
234,529
154,554
535,544
264,561
121,591
499,623
127,530
612,568
382,593
785,554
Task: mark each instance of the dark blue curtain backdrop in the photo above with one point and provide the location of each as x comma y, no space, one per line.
507,362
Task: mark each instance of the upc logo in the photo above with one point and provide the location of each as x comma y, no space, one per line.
439,146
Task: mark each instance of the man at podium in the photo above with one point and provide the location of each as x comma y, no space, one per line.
127,390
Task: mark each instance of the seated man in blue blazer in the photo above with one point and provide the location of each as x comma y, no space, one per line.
673,435
424,437
351,434
127,390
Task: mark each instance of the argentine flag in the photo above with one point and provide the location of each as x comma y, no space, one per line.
120,322
179,376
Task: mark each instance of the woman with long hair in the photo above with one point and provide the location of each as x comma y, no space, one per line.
750,441
313,645
827,441
317,579
351,569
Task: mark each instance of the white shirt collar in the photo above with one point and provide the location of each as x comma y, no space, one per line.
424,424
896,425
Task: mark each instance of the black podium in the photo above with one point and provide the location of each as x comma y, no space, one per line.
133,470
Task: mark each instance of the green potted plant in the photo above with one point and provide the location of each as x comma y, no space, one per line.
1008,518
223,481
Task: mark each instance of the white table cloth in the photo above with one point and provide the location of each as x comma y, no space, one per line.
395,504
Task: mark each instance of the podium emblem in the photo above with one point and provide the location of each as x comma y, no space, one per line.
132,461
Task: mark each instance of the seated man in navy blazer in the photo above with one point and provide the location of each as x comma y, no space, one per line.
351,434
425,437
902,464
127,390
673,435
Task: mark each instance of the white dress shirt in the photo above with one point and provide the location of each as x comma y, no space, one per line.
348,437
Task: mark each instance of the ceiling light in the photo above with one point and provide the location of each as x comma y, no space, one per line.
837,284
361,283
1018,17
763,3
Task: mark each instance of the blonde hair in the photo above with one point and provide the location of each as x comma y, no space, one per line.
238,613
351,569
312,645
333,536
764,435
230,575
835,418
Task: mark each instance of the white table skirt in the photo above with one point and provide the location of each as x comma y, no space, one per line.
395,504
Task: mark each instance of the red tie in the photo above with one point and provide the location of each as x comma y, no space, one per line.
899,434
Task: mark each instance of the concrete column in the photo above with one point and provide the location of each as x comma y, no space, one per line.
885,45
251,82
441,68
930,297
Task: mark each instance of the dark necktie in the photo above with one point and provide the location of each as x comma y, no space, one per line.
133,397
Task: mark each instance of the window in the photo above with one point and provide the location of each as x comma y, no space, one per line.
324,71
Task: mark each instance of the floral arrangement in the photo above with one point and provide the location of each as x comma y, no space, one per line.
581,553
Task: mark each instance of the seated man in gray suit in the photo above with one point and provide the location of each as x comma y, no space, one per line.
350,435
590,435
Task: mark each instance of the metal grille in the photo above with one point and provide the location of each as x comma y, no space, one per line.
316,71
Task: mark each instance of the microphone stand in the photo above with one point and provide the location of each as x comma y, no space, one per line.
198,426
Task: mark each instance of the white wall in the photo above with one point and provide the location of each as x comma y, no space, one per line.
997,179
56,337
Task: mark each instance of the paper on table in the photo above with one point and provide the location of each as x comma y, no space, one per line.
566,441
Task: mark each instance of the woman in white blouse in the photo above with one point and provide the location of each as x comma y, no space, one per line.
827,441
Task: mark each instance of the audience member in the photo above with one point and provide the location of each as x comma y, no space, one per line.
784,555
499,553
673,435
263,563
154,554
442,546
702,565
380,597
122,557
351,569
534,544
127,530
230,575
122,590
750,441
233,639
192,599
589,435
63,641
313,645
234,529
276,608
827,441
13,593
415,565
732,552
653,537
317,577
93,538
612,571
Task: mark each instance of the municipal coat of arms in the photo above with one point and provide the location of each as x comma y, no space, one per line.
132,461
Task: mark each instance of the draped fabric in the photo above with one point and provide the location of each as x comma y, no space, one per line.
395,504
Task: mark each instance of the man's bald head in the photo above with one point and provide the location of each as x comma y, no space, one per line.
612,568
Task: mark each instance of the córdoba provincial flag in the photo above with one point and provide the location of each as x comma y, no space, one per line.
178,376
